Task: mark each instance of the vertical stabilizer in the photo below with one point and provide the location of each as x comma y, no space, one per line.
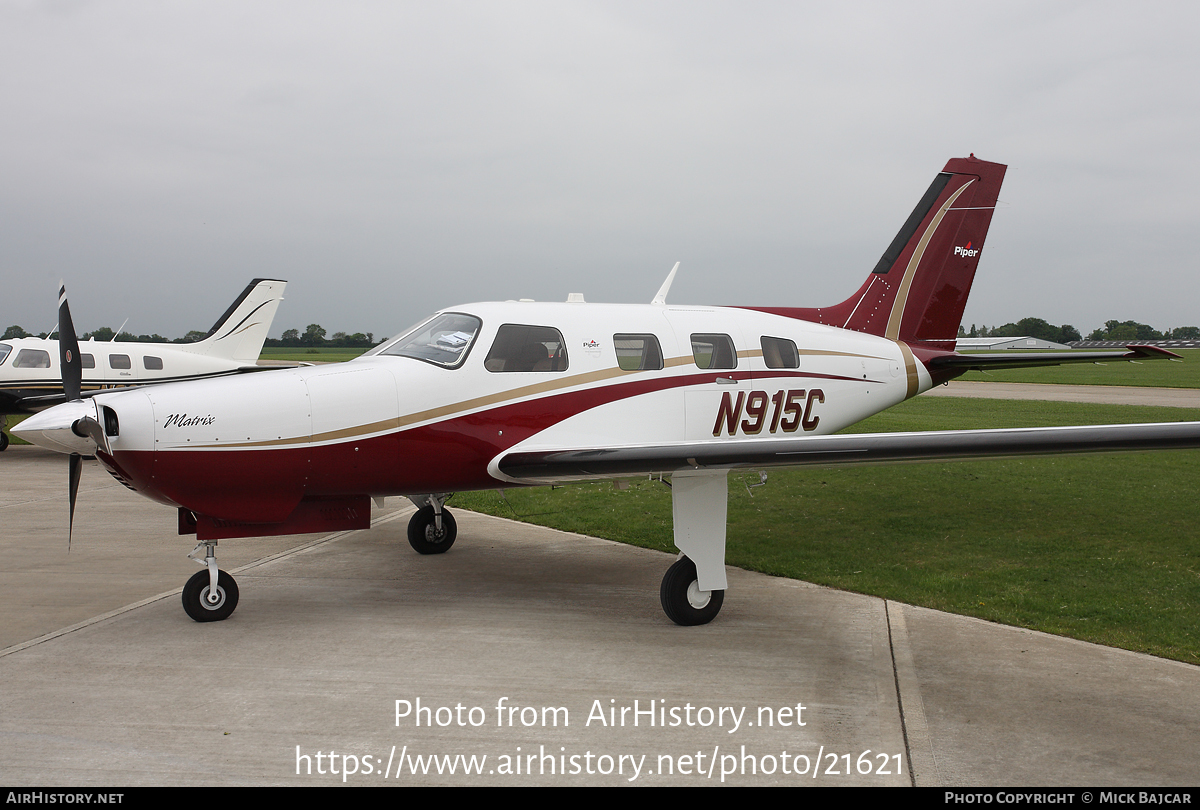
239,333
918,289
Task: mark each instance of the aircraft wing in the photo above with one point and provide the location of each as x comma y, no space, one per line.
856,448
1005,359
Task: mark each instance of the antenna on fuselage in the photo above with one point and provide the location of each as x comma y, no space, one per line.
661,298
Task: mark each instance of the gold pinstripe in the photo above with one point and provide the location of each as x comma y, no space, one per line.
547,386
897,314
910,370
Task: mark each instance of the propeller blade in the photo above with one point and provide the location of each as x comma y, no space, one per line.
76,470
68,349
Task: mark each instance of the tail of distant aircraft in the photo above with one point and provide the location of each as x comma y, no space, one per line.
240,332
918,290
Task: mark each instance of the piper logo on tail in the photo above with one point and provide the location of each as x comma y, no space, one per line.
966,251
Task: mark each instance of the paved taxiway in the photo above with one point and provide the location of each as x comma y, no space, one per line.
107,682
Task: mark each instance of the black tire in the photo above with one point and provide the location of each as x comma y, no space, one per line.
423,535
3,441
685,611
195,597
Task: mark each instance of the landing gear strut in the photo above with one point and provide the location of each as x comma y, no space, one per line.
432,530
210,595
683,601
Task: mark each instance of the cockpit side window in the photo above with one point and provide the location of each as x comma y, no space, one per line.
713,351
780,353
32,358
444,341
5,350
527,348
638,352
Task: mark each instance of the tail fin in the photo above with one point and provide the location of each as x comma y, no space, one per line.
240,332
918,290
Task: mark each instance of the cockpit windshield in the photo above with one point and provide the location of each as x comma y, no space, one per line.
5,350
443,341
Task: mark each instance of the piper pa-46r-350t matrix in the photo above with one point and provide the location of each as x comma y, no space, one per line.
31,381
493,395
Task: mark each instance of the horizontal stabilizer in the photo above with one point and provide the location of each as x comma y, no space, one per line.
1002,359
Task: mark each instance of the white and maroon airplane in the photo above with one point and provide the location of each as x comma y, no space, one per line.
493,395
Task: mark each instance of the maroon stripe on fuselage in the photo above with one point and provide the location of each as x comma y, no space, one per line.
265,485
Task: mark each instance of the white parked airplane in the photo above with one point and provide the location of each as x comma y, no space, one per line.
492,395
30,379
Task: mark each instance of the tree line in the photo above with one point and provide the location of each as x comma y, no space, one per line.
313,336
1112,330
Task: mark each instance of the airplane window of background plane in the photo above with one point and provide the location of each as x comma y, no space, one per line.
527,348
713,351
32,358
638,352
444,341
5,350
87,360
780,353
152,363
119,361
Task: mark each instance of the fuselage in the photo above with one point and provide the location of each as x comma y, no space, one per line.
250,448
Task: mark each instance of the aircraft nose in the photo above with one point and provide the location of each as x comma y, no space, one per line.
59,428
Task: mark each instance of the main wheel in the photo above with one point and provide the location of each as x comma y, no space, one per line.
423,534
197,604
3,441
683,601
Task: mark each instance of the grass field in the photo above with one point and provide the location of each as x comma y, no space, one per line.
1153,373
1100,548
324,355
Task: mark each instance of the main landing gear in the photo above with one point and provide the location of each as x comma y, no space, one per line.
432,530
681,597
211,595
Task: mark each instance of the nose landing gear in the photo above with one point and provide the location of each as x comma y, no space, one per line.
210,595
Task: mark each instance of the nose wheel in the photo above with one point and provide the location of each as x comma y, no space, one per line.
204,604
683,601
210,595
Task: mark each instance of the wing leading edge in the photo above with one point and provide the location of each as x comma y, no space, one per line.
862,448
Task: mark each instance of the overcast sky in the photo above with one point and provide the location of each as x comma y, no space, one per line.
392,158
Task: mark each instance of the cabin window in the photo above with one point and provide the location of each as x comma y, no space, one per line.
780,353
119,361
5,350
714,351
87,360
444,341
32,358
527,348
638,352
152,363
